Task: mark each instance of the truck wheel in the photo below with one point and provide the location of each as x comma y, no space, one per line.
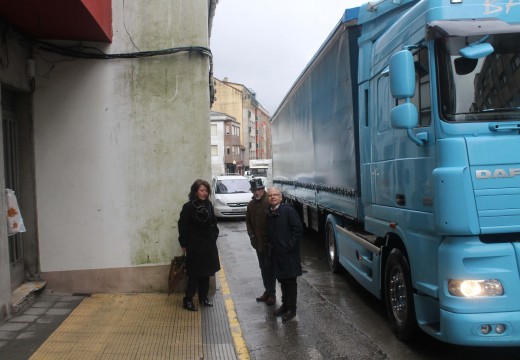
332,250
399,296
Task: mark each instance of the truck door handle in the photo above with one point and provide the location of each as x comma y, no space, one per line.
400,199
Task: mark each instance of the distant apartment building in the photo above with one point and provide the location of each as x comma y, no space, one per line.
263,135
226,154
239,102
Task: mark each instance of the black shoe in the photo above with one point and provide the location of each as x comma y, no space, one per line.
188,305
263,297
206,302
271,300
289,315
280,311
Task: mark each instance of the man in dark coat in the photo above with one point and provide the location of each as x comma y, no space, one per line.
256,224
284,231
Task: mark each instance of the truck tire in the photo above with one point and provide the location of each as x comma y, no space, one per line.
399,296
332,248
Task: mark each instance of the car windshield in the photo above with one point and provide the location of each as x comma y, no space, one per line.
485,89
232,186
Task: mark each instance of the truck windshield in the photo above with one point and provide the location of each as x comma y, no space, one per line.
486,89
258,171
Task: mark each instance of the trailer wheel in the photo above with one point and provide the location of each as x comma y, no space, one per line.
399,297
332,250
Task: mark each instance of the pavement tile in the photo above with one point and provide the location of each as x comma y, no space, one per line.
74,298
58,311
27,335
35,311
25,318
65,305
6,335
12,326
48,319
43,304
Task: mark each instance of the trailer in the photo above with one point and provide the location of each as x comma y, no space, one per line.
400,143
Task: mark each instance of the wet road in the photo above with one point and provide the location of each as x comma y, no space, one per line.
337,318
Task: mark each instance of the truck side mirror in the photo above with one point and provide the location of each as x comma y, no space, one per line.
402,75
406,116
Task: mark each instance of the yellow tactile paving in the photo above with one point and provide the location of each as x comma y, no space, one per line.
126,326
234,324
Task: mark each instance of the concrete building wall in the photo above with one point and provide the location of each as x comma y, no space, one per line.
117,144
112,149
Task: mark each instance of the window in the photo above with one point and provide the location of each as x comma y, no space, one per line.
213,129
214,150
421,99
228,150
228,129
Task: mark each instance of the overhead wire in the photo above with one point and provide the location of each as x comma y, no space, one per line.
90,52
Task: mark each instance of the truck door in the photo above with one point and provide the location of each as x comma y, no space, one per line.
383,146
414,164
401,169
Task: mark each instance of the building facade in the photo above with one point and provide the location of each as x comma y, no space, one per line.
226,154
240,102
105,127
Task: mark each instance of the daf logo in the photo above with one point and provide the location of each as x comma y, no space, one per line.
497,173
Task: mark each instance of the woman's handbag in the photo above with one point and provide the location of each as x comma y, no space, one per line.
177,273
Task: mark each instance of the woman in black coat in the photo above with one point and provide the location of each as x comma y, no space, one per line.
284,231
198,232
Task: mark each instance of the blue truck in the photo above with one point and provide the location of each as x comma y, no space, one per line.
400,143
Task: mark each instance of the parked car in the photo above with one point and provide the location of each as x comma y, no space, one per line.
230,195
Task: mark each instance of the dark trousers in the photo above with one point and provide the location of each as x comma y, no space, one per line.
289,293
194,283
266,270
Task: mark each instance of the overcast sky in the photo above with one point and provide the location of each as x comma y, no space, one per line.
265,44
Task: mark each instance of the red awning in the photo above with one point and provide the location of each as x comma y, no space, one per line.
87,20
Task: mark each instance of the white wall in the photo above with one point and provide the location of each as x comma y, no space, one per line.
119,142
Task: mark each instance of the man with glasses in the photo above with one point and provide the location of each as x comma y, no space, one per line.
284,232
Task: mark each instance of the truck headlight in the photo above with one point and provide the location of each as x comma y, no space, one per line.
473,288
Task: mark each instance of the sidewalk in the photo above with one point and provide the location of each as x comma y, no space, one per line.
124,326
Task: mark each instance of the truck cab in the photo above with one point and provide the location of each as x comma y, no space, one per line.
442,165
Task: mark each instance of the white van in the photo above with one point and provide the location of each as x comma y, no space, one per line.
230,195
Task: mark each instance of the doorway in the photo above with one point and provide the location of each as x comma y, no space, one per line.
12,181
